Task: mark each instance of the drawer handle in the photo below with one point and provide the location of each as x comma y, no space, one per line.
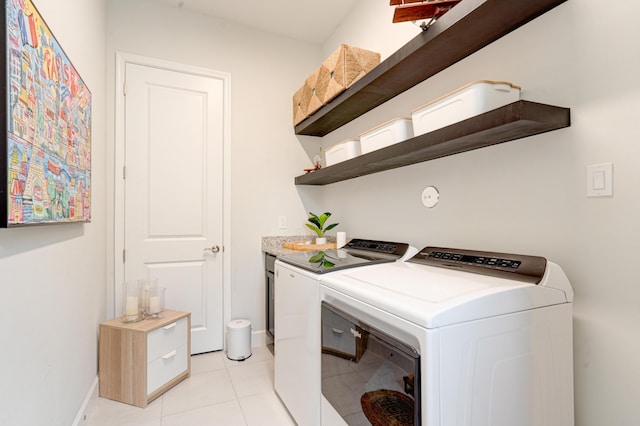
170,354
170,326
336,331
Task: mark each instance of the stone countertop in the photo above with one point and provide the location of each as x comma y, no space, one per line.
273,245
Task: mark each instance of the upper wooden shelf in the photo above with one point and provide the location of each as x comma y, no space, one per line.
465,29
514,121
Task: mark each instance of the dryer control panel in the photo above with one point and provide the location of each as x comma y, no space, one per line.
511,266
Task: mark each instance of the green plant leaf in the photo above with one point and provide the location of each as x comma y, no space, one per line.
328,264
333,225
314,229
317,258
323,218
315,220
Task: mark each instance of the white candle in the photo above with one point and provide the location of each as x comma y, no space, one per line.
131,306
155,304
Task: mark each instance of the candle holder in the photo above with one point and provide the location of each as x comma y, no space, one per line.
155,305
132,302
148,285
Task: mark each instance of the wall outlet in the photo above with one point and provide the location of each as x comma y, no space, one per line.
282,222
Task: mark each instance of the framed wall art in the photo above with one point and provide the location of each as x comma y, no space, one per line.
45,133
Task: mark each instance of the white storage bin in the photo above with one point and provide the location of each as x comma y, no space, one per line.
389,133
342,151
467,101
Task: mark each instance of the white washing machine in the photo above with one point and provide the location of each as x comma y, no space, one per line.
450,337
297,317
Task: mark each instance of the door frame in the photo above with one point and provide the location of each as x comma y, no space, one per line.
122,59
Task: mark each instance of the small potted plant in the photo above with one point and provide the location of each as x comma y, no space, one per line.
317,225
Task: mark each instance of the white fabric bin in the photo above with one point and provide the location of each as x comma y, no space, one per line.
342,151
239,339
389,133
465,102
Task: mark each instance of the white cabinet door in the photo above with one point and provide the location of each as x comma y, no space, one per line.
297,344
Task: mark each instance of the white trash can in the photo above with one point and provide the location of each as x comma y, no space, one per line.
239,339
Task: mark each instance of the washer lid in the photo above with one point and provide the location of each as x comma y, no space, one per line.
357,252
434,297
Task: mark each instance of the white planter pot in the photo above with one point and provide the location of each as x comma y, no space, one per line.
321,240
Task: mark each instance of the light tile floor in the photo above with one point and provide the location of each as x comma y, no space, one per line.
220,392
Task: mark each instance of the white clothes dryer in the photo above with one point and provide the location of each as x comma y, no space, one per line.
450,337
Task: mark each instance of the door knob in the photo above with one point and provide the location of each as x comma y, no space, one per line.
212,249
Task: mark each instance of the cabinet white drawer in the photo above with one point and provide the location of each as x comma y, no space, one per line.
165,339
166,368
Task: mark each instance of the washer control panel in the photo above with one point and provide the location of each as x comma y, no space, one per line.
390,248
512,266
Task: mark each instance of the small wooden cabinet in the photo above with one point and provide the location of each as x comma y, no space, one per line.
140,361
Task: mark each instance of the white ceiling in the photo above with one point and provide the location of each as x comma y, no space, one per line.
308,20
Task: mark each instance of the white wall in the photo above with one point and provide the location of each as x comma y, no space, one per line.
528,196
53,277
265,71
525,196
368,25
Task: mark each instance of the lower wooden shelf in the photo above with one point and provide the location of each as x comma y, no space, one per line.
510,122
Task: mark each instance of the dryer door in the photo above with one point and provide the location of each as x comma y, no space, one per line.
368,377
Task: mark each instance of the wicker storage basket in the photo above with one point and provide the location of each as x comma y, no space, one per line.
300,104
345,66
310,97
317,83
340,70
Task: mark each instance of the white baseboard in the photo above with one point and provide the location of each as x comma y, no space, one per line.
259,338
87,405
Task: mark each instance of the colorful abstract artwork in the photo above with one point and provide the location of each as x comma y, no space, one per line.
47,149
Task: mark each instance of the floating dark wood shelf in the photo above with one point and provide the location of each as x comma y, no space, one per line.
514,121
465,29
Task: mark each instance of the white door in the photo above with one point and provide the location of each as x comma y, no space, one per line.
173,192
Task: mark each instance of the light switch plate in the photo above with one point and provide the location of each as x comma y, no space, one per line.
600,180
